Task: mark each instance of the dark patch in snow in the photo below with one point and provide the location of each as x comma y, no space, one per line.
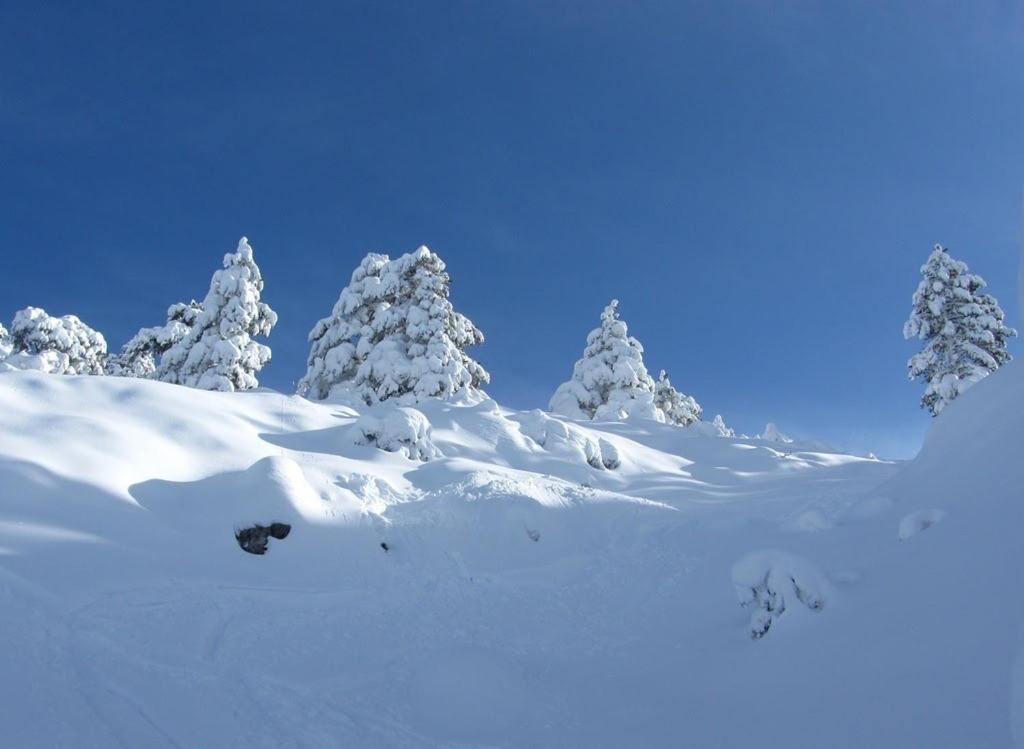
255,539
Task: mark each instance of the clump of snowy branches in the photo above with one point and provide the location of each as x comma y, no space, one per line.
140,356
394,334
58,345
679,409
218,351
962,328
610,381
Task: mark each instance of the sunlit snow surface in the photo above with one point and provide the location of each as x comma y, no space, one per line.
527,597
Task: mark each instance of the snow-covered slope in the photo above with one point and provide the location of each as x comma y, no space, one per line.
544,582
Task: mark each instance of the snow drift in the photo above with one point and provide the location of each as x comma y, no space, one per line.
536,581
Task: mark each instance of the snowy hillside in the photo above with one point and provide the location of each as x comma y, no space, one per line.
496,578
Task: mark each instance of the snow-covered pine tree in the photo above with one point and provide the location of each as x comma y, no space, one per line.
67,344
962,328
140,356
218,352
610,381
720,427
394,334
681,410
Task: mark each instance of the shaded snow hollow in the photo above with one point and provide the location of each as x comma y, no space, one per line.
545,583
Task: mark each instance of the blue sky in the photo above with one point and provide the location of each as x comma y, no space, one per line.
758,183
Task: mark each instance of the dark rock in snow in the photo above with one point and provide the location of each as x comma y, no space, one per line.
254,540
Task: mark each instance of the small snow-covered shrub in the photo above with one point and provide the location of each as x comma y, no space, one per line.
218,352
610,381
681,410
396,429
770,583
58,345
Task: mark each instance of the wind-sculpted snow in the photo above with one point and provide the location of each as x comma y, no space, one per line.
519,588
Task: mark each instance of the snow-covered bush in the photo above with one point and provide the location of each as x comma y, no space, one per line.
773,582
610,381
140,356
394,334
396,429
218,352
681,410
58,345
962,327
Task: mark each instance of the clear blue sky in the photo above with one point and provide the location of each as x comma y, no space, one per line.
758,183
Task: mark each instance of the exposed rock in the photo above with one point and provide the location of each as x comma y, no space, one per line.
255,539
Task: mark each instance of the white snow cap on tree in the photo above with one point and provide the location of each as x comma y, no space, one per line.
64,345
140,355
962,327
679,409
393,334
610,381
218,352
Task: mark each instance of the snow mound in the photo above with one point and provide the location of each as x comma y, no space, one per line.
506,591
396,429
772,583
563,439
919,521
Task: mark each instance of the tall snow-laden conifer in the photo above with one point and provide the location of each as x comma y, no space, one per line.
679,409
610,381
64,345
394,334
962,328
218,352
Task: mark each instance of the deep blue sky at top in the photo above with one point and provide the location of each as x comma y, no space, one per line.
758,183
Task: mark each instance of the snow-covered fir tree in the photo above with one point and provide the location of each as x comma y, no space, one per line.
610,381
140,356
962,328
218,352
679,409
65,345
720,427
771,433
394,334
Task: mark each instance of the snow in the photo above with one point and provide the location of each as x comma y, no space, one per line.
538,581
